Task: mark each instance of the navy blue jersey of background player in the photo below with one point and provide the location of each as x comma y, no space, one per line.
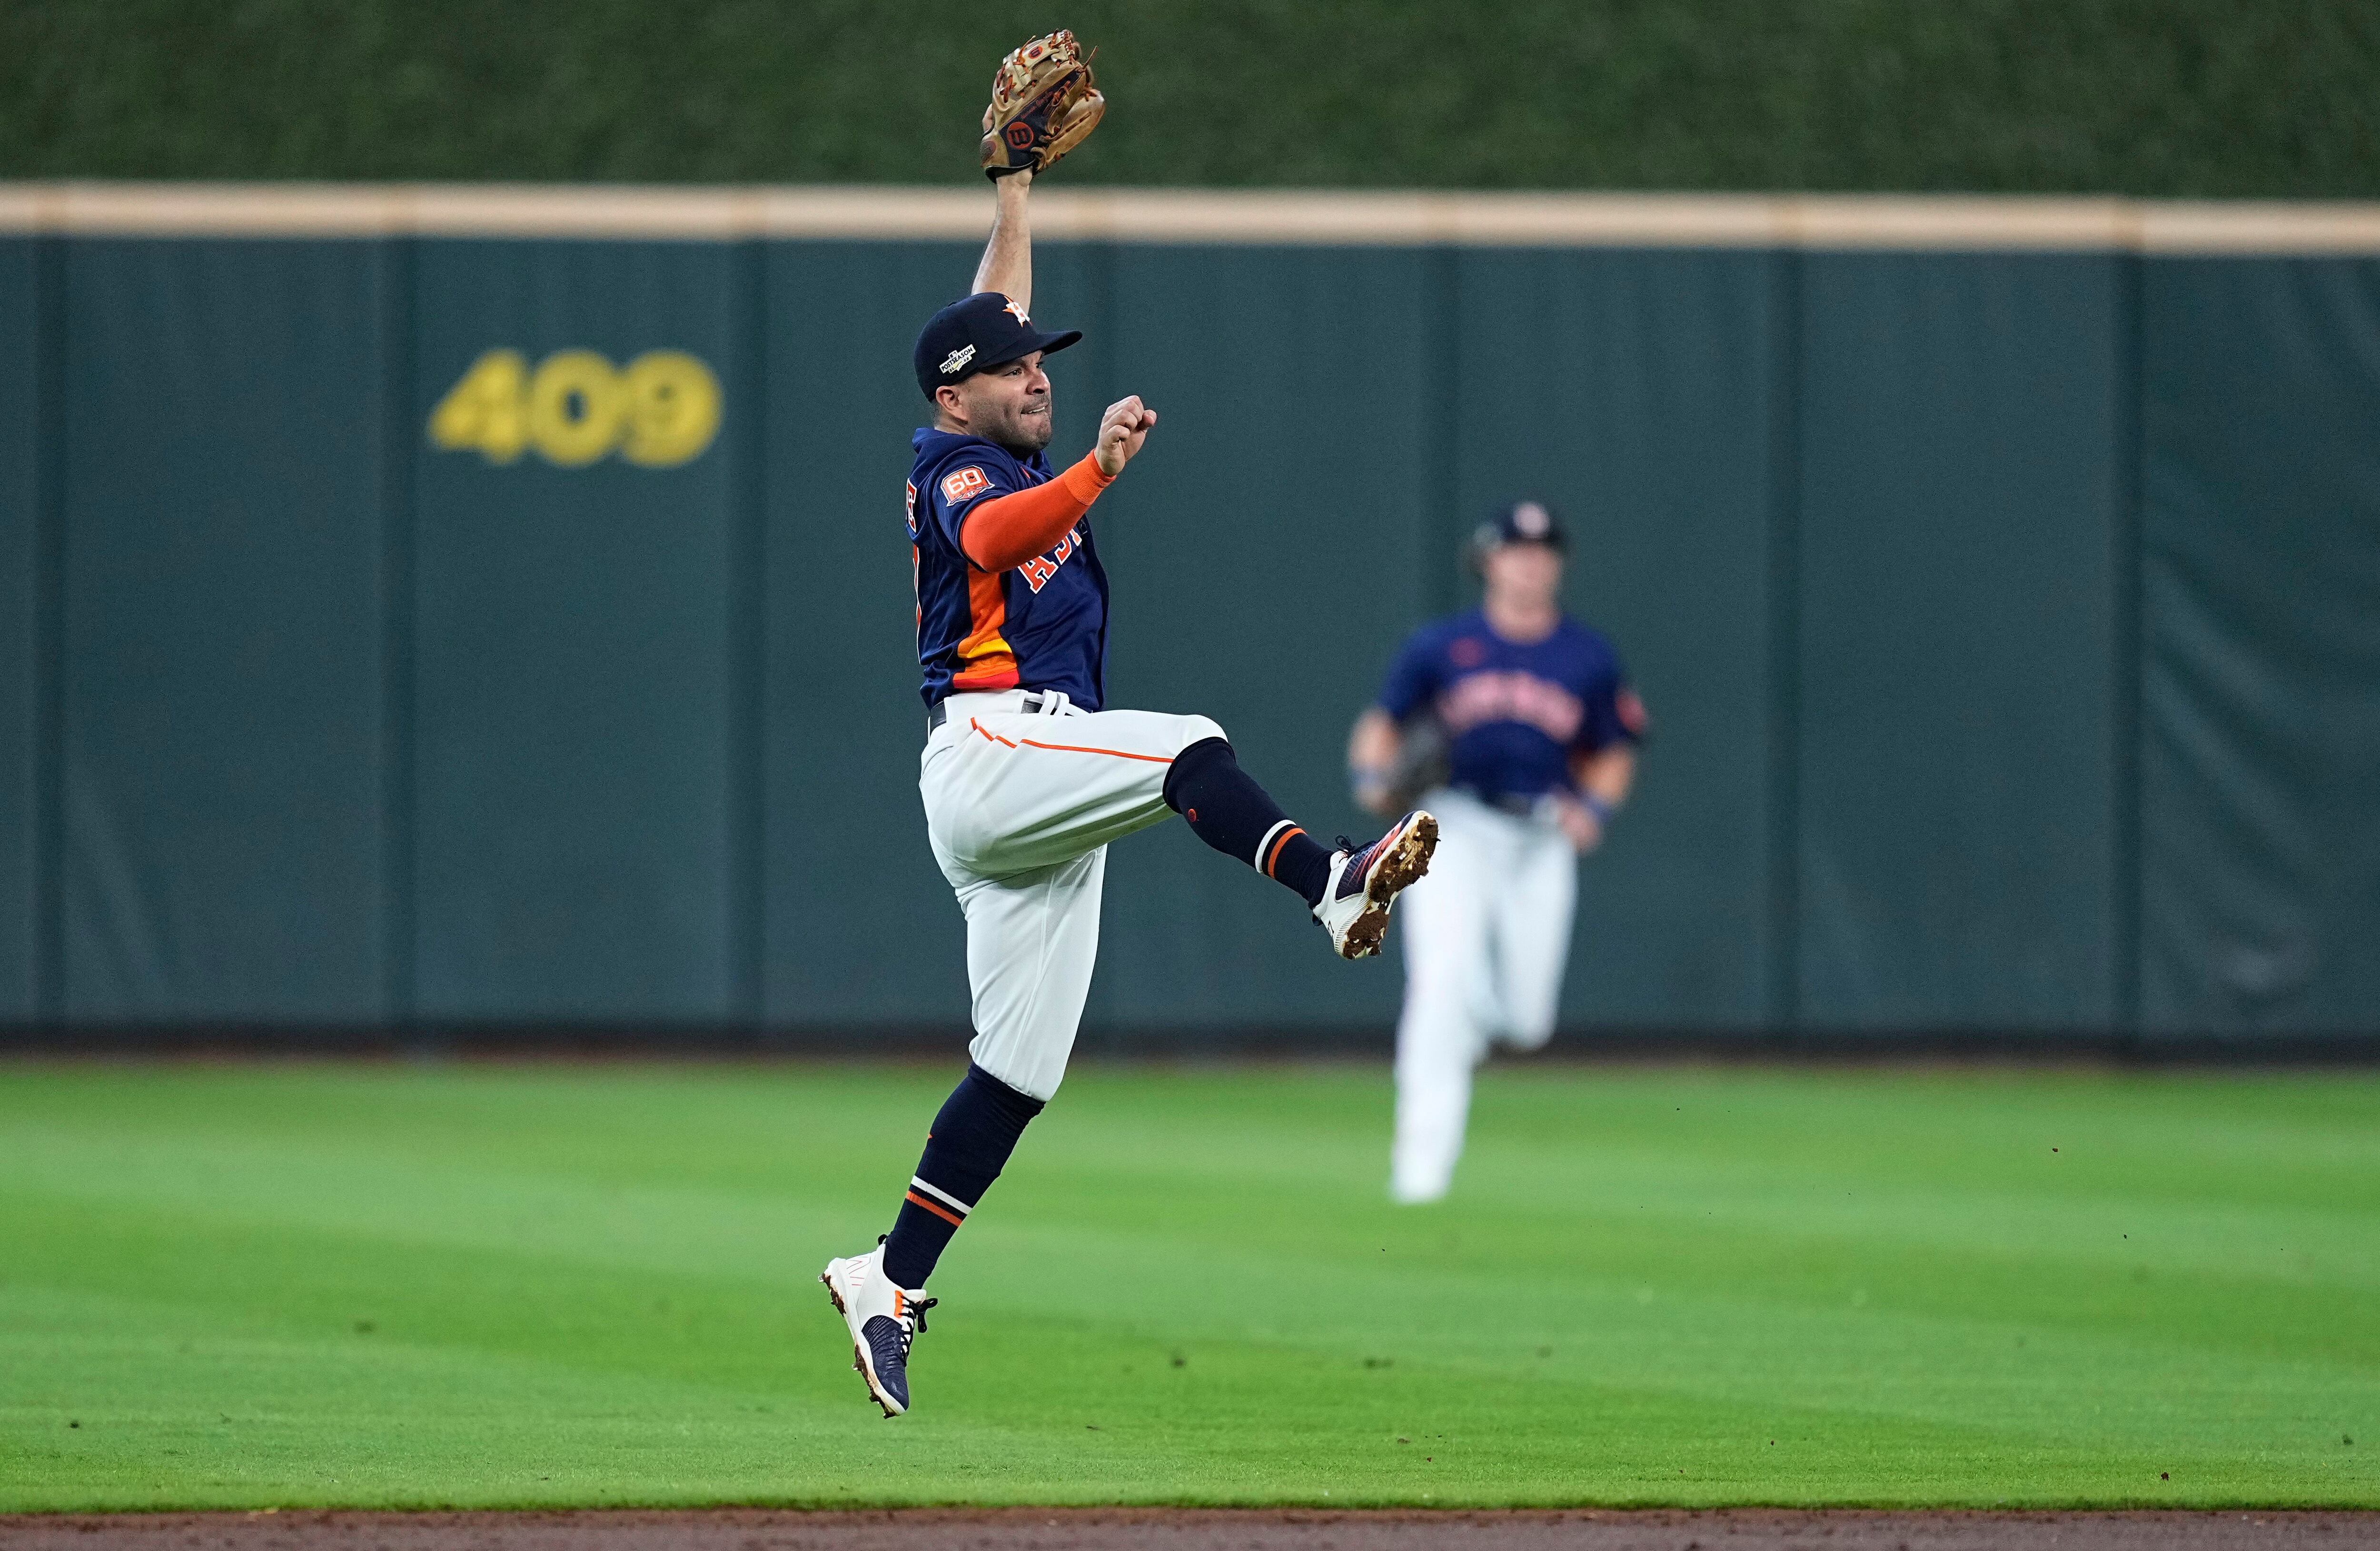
1515,714
1039,625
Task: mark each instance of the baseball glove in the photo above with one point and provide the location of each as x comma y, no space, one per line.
1042,106
1424,760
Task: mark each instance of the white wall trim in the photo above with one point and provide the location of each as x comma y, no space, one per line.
1287,217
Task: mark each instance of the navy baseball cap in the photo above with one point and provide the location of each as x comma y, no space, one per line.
977,331
1522,522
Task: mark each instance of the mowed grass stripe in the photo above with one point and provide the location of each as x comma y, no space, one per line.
401,1425
706,1323
709,1323
1645,1273
2066,1261
2285,1234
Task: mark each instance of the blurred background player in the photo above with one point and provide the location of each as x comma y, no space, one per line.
1519,721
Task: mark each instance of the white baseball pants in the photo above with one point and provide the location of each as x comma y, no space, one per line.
1486,935
1020,807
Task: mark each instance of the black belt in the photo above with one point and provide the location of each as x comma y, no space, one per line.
1505,802
940,711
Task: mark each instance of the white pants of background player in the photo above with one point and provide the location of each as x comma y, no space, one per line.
1486,938
1020,807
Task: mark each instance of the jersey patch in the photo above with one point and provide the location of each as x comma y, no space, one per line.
966,482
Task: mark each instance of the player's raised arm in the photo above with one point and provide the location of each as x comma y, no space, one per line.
1007,264
1043,104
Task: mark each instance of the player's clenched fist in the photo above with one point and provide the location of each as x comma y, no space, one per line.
1122,431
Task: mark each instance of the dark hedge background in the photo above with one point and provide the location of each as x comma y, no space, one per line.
2148,97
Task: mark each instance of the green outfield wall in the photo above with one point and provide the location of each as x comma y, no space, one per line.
428,632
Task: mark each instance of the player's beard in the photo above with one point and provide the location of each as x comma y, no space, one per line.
1025,434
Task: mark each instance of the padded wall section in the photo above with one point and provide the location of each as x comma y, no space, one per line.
2261,753
861,926
1958,518
1264,551
652,758
1633,390
578,652
222,682
19,568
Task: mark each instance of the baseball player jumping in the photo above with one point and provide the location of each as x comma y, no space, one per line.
1538,729
1026,775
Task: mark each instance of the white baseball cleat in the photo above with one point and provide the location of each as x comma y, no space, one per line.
1364,884
883,1319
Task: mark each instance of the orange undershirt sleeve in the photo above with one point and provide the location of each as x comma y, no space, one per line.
1008,530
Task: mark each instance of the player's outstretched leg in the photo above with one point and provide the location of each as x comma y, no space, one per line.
1349,891
882,1293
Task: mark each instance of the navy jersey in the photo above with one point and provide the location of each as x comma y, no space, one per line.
1515,714
1039,625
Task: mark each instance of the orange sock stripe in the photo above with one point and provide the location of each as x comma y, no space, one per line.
938,1209
1274,854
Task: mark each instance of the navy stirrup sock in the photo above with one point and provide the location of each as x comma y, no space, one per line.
1235,816
973,1134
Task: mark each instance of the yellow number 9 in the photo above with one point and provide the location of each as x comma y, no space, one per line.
673,408
576,404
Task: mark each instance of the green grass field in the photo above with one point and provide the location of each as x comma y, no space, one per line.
462,1285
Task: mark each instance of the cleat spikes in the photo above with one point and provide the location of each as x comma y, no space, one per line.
882,1320
1364,884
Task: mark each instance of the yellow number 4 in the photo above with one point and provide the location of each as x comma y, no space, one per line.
487,409
575,408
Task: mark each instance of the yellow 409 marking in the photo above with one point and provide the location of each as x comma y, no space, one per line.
577,407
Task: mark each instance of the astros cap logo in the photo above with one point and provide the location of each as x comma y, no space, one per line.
1017,312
